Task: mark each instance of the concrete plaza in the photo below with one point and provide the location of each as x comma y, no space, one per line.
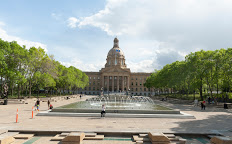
212,120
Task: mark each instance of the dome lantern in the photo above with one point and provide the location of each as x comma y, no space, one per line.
116,42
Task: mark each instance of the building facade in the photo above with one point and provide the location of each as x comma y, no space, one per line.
116,77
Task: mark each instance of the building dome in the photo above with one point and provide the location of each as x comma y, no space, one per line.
115,51
115,55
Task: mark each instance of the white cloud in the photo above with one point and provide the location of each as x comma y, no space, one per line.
20,41
83,65
2,23
56,16
163,31
72,22
141,66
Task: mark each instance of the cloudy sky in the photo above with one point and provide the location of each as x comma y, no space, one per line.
151,33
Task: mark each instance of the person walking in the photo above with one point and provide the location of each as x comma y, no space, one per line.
51,107
37,104
209,99
49,104
103,112
204,103
195,102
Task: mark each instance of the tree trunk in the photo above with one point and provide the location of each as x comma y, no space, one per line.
26,90
12,89
200,89
18,91
1,85
30,88
194,94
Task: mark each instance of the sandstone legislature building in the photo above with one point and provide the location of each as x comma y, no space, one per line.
116,77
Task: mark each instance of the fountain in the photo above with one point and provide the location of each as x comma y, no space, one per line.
117,105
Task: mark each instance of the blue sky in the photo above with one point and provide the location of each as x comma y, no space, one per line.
151,33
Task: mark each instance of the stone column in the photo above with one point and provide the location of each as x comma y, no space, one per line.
122,83
117,83
108,83
112,83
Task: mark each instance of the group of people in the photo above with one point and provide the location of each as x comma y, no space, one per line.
37,105
50,106
203,103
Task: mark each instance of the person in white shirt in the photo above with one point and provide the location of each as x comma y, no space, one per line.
103,112
195,102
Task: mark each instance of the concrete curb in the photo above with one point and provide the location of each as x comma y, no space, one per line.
118,115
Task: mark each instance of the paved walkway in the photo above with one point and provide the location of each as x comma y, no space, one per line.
210,120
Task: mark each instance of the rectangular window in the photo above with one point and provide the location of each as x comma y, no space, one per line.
89,83
140,89
93,77
136,83
132,83
136,89
89,88
94,83
136,78
93,88
132,89
85,88
144,89
140,83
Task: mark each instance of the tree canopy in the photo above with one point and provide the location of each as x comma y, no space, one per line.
210,69
32,70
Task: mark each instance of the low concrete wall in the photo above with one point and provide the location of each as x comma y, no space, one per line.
116,111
